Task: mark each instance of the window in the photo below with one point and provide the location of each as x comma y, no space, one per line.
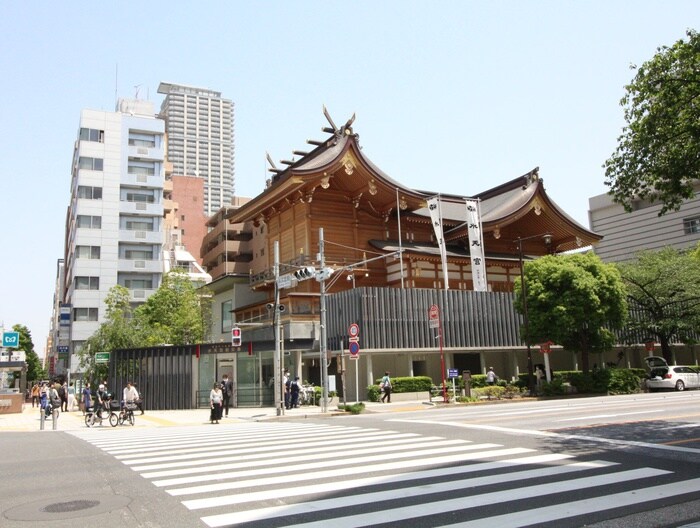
226,316
138,254
139,142
87,283
90,163
84,314
87,252
91,134
138,284
139,197
143,170
142,224
691,225
89,222
90,193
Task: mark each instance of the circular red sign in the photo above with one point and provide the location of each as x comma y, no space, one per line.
434,311
354,330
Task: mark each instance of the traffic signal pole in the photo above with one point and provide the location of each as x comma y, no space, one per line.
323,343
277,363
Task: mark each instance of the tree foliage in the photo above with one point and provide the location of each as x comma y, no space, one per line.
574,301
658,153
664,292
177,313
35,370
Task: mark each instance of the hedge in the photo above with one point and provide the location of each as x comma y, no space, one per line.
407,384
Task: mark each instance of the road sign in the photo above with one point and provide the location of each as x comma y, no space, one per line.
354,330
354,348
102,357
62,349
285,281
10,339
452,373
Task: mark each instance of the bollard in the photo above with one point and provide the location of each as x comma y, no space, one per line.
54,416
42,414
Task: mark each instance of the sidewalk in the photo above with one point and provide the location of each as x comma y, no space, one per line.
29,419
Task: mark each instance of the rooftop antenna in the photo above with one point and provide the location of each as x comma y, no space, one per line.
137,88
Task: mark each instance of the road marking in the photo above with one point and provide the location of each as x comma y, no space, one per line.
451,486
395,515
384,478
594,417
565,510
508,430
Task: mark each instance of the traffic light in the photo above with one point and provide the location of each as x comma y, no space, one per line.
305,273
235,336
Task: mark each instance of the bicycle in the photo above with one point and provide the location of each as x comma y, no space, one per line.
92,417
125,415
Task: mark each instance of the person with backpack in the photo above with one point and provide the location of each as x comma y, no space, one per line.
63,396
491,377
385,385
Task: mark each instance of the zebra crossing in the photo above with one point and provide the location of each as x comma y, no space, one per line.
302,474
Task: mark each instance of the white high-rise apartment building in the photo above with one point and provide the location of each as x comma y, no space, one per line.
199,126
114,224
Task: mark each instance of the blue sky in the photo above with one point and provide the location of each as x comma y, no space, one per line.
451,96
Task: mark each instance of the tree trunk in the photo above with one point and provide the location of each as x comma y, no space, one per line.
666,349
584,352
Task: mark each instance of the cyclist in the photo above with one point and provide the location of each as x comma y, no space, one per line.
130,395
101,399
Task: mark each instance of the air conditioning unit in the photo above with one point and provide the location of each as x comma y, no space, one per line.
139,234
140,264
139,294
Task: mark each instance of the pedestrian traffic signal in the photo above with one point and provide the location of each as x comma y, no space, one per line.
304,273
236,336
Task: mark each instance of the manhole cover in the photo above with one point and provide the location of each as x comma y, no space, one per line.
70,506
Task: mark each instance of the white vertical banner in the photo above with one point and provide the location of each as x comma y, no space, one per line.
476,246
436,219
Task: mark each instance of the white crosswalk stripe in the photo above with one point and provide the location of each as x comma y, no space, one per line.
301,475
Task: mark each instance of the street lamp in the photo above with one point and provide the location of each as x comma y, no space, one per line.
523,288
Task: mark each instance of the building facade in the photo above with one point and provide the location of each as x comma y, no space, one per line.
114,223
199,125
627,233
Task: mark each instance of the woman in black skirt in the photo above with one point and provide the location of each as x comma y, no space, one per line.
216,397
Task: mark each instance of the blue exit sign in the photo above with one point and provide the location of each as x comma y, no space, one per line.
10,339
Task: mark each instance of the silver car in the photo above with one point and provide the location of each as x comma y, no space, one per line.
663,376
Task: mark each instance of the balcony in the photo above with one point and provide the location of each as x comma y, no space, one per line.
141,208
140,266
230,268
141,237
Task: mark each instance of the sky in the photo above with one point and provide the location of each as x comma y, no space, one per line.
452,96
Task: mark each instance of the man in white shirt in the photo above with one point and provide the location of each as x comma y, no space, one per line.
130,394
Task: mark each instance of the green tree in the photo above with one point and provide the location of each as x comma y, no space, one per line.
115,332
658,153
664,293
574,301
178,313
35,370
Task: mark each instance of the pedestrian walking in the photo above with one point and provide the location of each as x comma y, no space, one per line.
227,391
35,394
63,396
216,399
87,398
385,385
491,377
71,397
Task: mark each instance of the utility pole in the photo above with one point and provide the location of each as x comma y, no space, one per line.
323,344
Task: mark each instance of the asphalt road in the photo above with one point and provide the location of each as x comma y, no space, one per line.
627,461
